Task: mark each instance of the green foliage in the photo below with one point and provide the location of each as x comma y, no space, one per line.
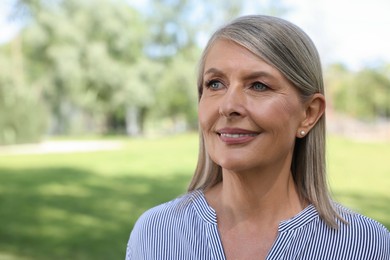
82,56
364,94
23,117
373,91
180,24
105,67
177,95
20,124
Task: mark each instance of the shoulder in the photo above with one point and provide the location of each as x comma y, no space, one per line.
364,235
162,216
162,227
361,224
359,237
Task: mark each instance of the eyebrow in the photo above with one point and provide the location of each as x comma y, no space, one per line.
251,75
213,71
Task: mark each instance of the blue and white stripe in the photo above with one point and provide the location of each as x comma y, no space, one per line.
186,228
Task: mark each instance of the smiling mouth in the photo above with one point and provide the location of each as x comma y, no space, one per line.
236,135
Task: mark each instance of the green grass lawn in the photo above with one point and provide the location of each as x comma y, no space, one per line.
359,176
83,205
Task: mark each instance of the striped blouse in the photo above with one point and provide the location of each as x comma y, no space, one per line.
186,228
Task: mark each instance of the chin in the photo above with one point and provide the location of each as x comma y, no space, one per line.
234,165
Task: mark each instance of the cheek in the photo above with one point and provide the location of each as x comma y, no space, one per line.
290,110
291,115
278,113
294,110
206,114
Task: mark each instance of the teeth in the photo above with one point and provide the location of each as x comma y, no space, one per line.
236,135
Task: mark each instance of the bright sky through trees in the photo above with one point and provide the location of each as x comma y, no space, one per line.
351,32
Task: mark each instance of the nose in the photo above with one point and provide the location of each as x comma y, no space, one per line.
233,102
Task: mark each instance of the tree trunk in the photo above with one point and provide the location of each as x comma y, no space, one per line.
133,127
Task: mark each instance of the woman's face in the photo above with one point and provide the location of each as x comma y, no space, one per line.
249,113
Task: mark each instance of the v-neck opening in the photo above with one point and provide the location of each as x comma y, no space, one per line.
209,216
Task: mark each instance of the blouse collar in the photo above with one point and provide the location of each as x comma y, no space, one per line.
207,213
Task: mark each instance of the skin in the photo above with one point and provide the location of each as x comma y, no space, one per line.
250,116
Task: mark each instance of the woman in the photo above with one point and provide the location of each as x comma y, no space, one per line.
259,190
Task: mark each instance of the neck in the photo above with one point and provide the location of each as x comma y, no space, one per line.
269,198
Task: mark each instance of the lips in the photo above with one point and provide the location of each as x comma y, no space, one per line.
236,135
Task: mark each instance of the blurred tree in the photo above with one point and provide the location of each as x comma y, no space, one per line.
337,79
82,56
22,113
373,93
180,24
177,94
143,81
364,94
101,64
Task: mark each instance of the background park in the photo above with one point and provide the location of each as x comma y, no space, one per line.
98,120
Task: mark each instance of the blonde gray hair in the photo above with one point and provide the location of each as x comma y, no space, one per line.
286,47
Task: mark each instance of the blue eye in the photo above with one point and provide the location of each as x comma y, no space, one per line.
258,86
214,85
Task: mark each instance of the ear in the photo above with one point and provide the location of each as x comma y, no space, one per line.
314,109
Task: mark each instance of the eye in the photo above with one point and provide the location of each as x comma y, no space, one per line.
258,86
214,85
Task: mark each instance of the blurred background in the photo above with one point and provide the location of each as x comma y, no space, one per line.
98,112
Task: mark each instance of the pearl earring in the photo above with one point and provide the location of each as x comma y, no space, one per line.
302,133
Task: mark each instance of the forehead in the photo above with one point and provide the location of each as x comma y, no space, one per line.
228,55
